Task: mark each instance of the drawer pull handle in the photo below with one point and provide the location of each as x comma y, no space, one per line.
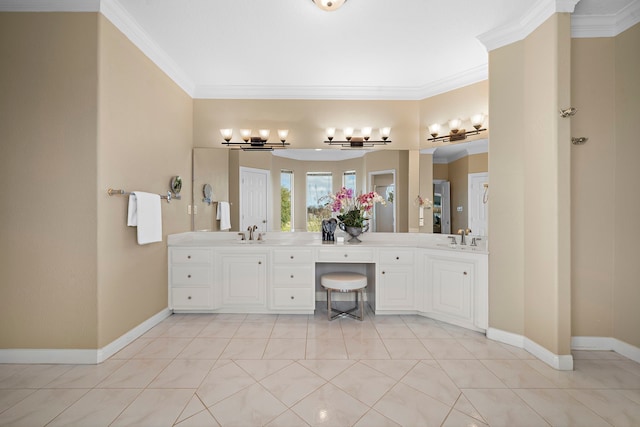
188,256
188,276
291,256
465,273
383,272
189,297
397,257
292,297
259,262
292,276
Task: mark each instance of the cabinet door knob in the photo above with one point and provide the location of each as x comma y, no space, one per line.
465,273
383,272
188,276
291,256
397,257
189,297
292,297
188,256
292,276
346,255
259,262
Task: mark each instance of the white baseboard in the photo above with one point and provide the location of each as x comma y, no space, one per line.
81,356
559,362
606,344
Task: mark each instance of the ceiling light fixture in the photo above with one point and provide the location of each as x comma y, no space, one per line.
455,131
329,5
255,143
358,141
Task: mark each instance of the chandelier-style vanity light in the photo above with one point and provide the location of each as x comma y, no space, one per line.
255,143
455,131
362,140
329,5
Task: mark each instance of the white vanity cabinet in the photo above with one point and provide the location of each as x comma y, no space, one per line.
454,289
190,279
243,279
292,280
395,284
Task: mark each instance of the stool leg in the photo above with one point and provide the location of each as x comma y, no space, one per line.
361,305
329,304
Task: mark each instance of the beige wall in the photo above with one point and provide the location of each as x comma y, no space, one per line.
530,204
48,250
626,290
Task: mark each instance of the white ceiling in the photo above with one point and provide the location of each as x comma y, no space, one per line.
368,49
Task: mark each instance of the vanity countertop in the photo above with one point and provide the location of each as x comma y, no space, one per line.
369,240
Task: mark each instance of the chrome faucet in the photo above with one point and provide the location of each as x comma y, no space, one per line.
453,240
463,233
251,230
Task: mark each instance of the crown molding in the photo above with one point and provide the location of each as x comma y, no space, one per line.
49,5
118,16
588,26
518,29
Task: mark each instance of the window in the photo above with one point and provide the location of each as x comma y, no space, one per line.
349,180
286,200
319,186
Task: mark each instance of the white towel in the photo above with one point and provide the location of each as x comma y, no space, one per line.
146,214
224,215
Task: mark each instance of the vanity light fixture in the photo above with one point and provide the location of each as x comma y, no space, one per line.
329,5
255,143
363,140
456,133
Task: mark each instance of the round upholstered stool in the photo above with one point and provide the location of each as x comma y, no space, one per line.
344,282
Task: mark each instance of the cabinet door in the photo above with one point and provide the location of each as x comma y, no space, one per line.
244,280
452,292
395,288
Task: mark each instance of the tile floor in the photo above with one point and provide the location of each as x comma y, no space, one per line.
296,370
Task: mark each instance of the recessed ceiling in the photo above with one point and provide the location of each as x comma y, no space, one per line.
368,49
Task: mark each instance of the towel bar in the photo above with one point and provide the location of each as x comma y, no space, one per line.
113,192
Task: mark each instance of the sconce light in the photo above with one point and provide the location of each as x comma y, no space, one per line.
456,133
255,143
329,5
358,141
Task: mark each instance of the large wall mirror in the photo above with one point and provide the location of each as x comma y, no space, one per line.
285,190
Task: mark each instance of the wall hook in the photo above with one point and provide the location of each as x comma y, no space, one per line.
568,112
579,140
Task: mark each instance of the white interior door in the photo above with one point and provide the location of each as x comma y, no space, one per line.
478,203
254,198
443,190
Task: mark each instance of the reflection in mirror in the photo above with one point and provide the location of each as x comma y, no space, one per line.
461,170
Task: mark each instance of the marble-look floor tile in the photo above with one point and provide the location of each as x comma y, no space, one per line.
192,408
364,383
288,419
201,419
184,330
446,348
40,407
293,383
359,330
395,369
245,348
330,406
33,376
327,369
517,374
252,406
133,348
611,405
182,373
428,331
289,330
363,348
409,348
86,376
219,330
326,349
429,378
395,331
607,374
254,330
292,348
222,382
163,348
484,349
99,407
260,369
204,348
154,408
9,397
324,330
374,418
558,408
135,373
503,408
470,374
458,419
409,407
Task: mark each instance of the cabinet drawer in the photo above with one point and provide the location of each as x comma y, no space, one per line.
190,298
293,275
396,257
345,254
189,275
292,256
188,255
300,298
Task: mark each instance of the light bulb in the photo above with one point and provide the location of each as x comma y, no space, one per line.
477,120
282,134
454,125
331,132
245,134
366,133
226,134
434,129
348,133
329,5
264,134
384,133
